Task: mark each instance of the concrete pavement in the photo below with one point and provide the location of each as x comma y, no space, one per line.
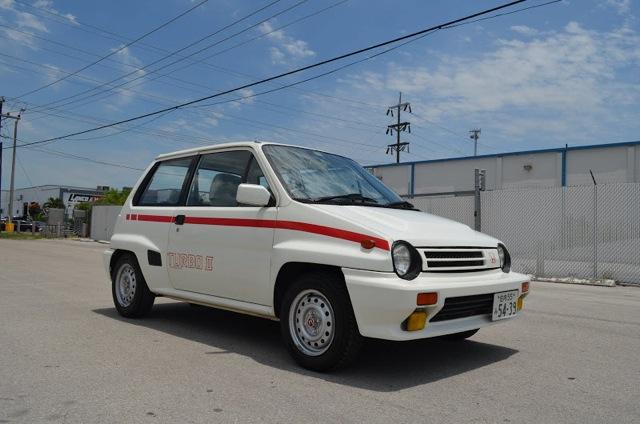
66,356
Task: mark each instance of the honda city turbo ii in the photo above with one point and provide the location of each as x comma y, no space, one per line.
310,239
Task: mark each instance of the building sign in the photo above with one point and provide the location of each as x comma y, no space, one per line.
80,198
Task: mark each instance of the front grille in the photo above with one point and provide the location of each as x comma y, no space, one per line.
459,259
447,254
465,306
451,264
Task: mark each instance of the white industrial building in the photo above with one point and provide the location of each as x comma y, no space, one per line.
570,166
70,196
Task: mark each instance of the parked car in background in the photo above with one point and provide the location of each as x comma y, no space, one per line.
23,224
310,239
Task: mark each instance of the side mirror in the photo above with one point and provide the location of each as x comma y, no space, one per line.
253,194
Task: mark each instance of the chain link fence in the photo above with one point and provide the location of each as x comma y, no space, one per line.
580,232
457,208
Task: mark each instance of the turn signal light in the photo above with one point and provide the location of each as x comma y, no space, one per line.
520,303
425,299
368,244
417,321
525,287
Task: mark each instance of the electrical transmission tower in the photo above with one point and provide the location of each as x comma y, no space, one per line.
398,127
475,135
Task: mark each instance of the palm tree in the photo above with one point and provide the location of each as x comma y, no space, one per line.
53,203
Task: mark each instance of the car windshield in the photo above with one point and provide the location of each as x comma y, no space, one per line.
317,177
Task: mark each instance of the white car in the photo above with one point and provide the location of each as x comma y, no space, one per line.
310,239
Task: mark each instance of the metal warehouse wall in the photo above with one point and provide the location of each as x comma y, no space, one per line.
38,194
613,163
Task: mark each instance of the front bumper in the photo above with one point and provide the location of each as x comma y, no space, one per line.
382,301
106,261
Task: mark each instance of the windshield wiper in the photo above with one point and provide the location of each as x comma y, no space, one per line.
401,204
350,196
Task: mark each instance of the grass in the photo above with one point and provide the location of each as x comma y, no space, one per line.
19,236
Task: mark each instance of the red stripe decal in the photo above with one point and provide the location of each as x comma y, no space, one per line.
271,223
289,225
152,218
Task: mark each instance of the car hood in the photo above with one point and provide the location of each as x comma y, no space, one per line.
418,228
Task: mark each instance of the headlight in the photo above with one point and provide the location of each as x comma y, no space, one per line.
406,260
505,259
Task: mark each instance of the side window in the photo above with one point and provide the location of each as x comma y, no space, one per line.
165,186
217,178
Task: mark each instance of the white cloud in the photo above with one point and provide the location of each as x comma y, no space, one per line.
247,98
27,20
52,73
21,37
621,6
129,62
566,83
287,48
6,4
524,30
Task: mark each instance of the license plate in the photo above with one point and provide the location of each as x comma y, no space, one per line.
505,305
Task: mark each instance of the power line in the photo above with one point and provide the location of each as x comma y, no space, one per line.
166,75
291,72
181,58
414,35
74,156
163,25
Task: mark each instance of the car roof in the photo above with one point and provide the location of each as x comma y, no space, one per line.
214,147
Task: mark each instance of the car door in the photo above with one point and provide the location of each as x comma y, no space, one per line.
217,246
151,212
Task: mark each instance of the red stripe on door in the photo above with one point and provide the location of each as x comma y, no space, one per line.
152,218
271,223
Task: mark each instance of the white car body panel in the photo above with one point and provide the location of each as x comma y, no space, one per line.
250,245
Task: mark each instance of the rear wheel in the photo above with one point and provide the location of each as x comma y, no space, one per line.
131,294
317,322
460,336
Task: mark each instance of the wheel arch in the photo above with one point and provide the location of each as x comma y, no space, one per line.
117,254
288,273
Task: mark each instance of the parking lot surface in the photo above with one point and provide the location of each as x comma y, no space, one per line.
66,356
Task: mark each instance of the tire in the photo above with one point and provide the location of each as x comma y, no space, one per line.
331,339
131,302
459,336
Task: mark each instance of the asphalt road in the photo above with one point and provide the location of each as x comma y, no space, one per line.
67,357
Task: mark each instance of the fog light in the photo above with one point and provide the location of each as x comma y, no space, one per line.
416,321
520,303
424,299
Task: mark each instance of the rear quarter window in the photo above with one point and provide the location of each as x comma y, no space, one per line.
165,183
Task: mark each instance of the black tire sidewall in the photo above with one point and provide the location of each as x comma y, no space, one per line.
140,304
346,339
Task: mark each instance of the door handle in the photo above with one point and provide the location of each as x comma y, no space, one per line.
179,219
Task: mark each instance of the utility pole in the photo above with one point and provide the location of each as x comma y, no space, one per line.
475,135
398,128
13,162
1,103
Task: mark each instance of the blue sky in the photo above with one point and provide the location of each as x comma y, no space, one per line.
565,73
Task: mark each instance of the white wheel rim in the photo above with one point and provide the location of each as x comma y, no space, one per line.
125,285
311,322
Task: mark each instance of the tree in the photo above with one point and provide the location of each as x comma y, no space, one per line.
110,197
53,203
34,209
114,197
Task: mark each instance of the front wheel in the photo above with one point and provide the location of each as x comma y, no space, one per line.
131,294
317,322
